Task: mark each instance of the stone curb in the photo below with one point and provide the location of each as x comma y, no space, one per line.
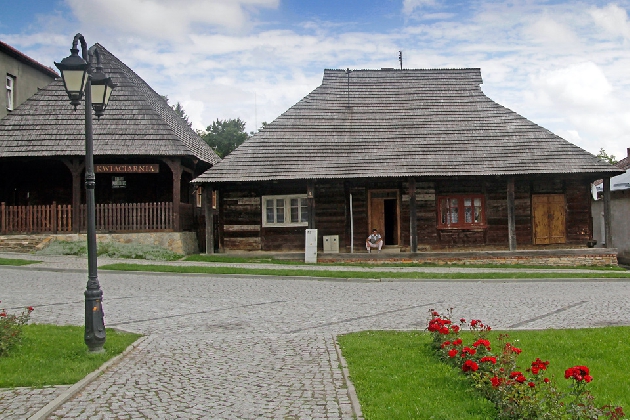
352,394
52,406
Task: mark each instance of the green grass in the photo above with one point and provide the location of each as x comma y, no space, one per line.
398,376
358,274
112,250
12,261
56,355
374,264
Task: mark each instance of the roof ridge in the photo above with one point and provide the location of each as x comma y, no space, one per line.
189,138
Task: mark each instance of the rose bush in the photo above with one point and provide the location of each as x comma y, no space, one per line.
11,328
516,394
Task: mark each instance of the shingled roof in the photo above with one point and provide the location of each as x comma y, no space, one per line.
137,121
400,123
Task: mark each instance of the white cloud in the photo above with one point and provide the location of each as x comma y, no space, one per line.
581,85
166,19
410,5
613,19
547,30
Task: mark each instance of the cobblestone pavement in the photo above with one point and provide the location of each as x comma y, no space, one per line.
236,347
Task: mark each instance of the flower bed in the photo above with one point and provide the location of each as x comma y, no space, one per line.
11,328
517,394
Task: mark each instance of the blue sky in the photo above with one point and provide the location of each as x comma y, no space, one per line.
562,64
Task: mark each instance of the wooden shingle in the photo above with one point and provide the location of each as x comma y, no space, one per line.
137,121
401,123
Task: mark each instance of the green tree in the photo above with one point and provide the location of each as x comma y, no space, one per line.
606,157
179,110
225,136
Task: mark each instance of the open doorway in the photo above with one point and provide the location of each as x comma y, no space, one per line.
384,215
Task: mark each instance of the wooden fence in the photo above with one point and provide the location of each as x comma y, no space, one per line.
36,219
57,218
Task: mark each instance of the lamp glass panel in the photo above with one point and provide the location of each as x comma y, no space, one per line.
75,80
98,93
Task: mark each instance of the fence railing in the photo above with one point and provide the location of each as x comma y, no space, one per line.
109,218
36,219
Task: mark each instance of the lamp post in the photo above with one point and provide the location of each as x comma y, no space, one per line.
79,78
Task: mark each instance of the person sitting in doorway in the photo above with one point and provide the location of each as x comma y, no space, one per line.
374,241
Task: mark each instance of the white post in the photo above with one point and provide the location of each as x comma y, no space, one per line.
351,227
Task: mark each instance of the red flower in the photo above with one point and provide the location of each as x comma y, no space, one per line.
452,353
537,366
496,381
457,342
546,380
470,365
578,373
482,342
446,343
531,384
489,359
30,309
455,328
462,320
468,350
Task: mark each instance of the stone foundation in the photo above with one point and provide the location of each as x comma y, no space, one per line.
179,242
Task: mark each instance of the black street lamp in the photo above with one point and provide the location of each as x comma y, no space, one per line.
79,79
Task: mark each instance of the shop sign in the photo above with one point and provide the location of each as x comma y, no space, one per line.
126,168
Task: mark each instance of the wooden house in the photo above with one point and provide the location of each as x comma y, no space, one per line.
424,156
145,156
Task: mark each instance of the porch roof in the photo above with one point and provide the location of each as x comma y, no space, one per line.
401,123
138,121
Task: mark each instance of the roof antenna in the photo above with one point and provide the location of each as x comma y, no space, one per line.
348,88
400,58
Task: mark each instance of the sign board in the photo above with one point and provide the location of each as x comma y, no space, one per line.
119,182
126,169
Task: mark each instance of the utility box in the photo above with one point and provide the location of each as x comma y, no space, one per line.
331,244
310,248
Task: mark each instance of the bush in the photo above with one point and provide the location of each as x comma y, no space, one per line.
517,394
11,328
112,250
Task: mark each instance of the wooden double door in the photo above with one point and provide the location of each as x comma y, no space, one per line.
384,215
549,219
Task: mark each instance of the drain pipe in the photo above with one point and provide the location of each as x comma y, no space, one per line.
351,227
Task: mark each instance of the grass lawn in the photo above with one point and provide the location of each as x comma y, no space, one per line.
15,261
56,355
372,274
397,375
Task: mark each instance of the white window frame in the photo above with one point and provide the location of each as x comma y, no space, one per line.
10,85
287,210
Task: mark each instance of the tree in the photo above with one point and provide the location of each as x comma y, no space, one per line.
225,136
179,110
608,158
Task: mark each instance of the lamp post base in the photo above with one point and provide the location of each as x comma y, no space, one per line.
94,325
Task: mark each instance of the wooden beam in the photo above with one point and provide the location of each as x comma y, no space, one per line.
176,169
310,199
413,219
510,214
206,198
607,214
76,168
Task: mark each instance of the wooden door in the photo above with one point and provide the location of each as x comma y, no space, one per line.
549,219
384,215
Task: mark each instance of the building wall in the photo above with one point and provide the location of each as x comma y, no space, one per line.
241,227
620,222
27,81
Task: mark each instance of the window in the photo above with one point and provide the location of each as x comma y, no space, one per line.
10,91
460,211
285,210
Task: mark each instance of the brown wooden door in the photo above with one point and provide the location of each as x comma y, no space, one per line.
549,219
384,215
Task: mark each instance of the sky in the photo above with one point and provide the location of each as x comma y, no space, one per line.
565,65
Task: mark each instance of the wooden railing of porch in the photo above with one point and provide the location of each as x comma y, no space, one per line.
57,218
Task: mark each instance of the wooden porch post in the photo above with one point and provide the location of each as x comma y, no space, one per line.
310,198
176,168
76,168
607,214
413,219
510,214
206,197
